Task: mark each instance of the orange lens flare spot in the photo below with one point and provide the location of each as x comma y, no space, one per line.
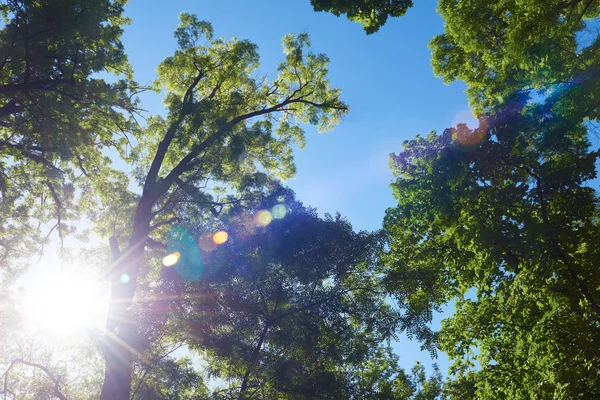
171,259
263,218
220,237
469,137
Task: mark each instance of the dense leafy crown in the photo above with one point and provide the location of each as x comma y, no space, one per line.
228,130
289,310
56,114
372,14
500,219
500,47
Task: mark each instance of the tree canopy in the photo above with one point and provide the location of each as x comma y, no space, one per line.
501,219
226,134
291,309
223,285
56,115
501,47
371,14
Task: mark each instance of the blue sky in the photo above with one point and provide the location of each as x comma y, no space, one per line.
386,79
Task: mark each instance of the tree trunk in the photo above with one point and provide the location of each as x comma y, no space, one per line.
253,360
118,357
120,337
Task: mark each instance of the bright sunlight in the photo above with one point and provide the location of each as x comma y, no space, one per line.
64,304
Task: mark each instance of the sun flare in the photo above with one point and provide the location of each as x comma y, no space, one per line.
64,304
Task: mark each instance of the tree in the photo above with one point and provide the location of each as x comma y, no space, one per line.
531,71
30,370
500,218
168,378
499,48
225,131
50,389
291,309
382,378
371,14
56,117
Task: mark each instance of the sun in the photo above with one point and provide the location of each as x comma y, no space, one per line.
64,304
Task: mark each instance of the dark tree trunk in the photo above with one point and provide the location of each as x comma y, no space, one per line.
120,325
253,360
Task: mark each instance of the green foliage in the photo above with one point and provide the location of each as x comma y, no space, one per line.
55,118
500,219
225,124
381,378
371,14
291,310
168,378
502,47
227,134
30,369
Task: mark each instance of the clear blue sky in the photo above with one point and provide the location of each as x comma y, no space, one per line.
386,79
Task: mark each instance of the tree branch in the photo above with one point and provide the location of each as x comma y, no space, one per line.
28,147
188,162
164,222
150,366
56,393
26,152
155,244
170,135
253,360
10,108
115,251
316,303
58,211
554,242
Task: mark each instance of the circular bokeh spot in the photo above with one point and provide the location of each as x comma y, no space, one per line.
181,242
206,242
171,259
263,218
220,237
470,137
125,278
279,211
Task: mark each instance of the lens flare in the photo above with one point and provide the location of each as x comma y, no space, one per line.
263,218
465,117
171,259
470,137
279,211
206,242
125,278
467,137
220,237
185,256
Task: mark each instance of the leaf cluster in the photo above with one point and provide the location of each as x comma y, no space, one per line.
501,219
371,14
290,310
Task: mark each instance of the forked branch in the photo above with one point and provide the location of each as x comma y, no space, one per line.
50,375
